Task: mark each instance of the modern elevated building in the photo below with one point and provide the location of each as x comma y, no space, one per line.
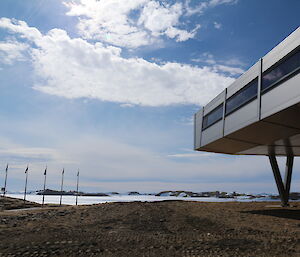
259,114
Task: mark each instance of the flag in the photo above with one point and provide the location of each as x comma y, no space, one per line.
45,172
26,169
6,168
63,171
78,173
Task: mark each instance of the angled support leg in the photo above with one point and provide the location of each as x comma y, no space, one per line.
288,175
283,188
278,179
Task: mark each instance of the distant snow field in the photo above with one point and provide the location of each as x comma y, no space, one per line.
82,200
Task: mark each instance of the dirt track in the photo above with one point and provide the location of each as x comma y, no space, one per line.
172,228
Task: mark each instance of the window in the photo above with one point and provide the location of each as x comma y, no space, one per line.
212,117
245,95
281,71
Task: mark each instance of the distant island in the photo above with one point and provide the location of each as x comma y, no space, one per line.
55,192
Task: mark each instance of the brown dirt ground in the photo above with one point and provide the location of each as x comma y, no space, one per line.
169,228
7,203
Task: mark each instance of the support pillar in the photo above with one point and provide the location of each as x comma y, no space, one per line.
283,187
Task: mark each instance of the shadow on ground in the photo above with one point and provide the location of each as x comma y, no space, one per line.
280,213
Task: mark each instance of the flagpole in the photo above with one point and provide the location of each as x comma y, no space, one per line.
77,187
45,175
26,171
62,184
5,180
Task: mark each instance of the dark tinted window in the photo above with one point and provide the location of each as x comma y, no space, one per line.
246,94
213,116
289,65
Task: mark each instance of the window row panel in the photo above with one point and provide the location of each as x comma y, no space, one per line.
288,66
212,117
249,92
245,95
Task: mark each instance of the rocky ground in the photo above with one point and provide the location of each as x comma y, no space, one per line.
170,228
7,203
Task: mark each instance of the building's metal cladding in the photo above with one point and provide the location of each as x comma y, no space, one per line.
260,111
259,114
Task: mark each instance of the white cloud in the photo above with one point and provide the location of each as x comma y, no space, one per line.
136,23
18,155
27,153
199,9
127,105
219,2
233,71
189,155
157,18
129,24
206,57
108,21
11,51
17,26
217,25
75,68
181,35
202,6
235,62
233,67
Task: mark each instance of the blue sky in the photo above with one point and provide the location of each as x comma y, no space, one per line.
110,87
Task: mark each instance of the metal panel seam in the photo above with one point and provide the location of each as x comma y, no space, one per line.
224,111
195,139
259,88
201,131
